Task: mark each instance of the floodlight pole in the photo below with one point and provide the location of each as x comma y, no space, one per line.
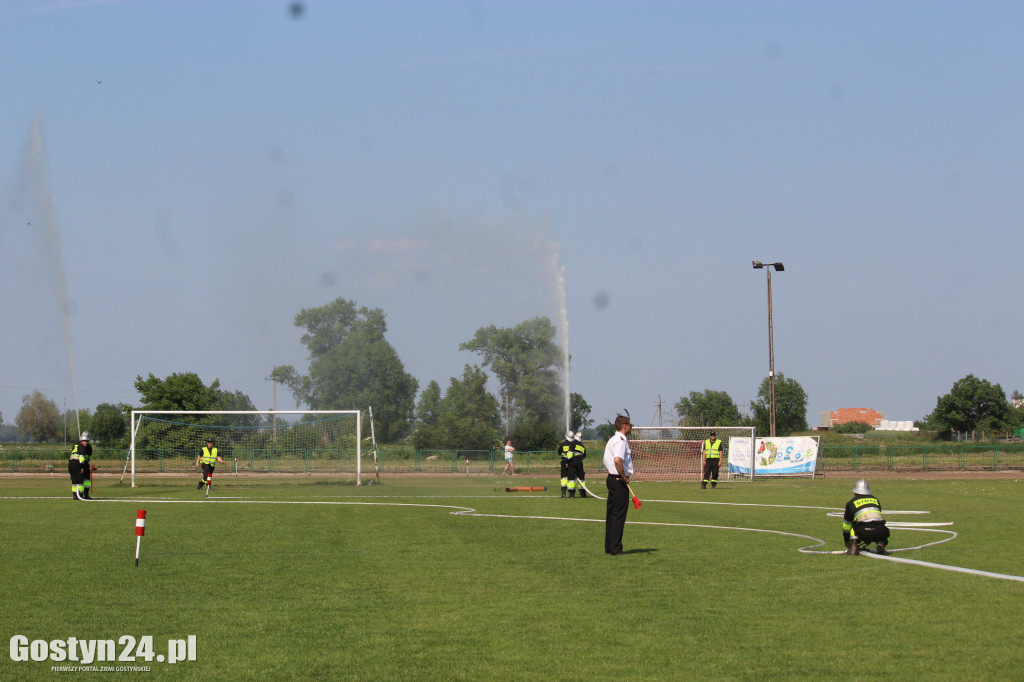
779,267
771,358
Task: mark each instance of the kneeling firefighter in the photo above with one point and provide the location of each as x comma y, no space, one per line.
863,522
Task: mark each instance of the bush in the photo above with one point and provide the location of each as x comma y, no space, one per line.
852,427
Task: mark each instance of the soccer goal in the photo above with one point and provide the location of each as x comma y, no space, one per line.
676,453
256,442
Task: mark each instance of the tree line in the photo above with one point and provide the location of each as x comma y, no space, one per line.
352,365
972,404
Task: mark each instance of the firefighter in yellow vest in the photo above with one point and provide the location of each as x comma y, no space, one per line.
80,468
208,458
712,460
576,472
863,522
566,450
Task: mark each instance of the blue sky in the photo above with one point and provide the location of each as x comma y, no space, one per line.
445,160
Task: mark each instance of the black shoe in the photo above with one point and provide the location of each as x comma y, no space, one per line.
714,485
74,496
85,495
583,493
880,548
563,494
703,486
200,486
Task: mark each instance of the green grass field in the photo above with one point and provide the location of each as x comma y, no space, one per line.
385,582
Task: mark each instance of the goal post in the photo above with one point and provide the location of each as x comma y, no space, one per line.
257,441
676,453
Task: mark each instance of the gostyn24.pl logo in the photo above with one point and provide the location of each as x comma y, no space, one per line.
125,649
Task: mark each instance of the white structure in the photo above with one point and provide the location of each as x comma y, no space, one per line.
893,425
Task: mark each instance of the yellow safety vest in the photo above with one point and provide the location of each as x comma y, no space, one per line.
713,449
82,457
209,456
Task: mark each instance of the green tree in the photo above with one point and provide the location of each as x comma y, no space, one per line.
74,423
580,411
1017,406
428,416
352,366
972,404
38,419
185,391
109,425
790,407
527,364
606,430
8,433
710,408
469,418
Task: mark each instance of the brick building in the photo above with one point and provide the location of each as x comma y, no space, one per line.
844,415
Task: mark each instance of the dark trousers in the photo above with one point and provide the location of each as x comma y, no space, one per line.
711,469
76,471
207,470
576,472
871,532
615,520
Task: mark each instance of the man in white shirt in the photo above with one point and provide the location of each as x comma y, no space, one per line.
618,461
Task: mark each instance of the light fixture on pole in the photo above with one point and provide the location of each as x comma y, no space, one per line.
779,267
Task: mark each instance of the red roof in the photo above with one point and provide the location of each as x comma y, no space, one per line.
844,415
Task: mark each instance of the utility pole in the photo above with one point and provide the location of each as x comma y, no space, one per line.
779,267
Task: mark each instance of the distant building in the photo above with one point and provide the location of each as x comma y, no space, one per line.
866,415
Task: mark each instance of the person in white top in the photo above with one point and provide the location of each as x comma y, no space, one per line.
508,459
618,461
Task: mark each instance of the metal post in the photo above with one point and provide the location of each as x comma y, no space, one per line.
771,360
273,378
779,267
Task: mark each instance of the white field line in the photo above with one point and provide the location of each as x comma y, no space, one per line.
946,567
469,511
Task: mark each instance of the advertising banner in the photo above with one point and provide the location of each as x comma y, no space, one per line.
793,455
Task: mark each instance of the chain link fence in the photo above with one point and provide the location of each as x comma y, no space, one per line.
401,460
931,457
391,460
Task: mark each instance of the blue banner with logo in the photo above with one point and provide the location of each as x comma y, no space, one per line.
794,455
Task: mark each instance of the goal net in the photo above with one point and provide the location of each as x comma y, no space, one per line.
292,441
676,453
